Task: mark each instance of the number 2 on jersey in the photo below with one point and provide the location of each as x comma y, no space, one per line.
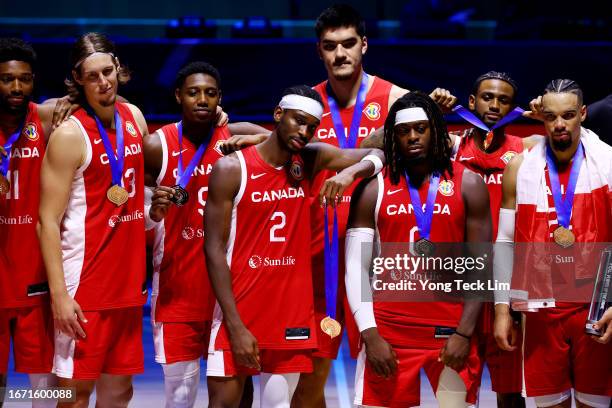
278,226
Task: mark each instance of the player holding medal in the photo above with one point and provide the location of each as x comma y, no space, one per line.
182,155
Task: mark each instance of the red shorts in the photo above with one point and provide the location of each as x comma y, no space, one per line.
404,389
505,367
180,341
113,346
560,356
32,331
221,363
327,347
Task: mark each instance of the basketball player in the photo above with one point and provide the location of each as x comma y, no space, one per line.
24,304
399,338
182,155
92,197
487,154
342,44
569,161
257,234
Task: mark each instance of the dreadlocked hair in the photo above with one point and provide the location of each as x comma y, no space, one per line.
440,147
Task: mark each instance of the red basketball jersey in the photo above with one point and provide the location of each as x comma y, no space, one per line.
180,280
104,245
490,166
22,273
395,223
269,257
373,116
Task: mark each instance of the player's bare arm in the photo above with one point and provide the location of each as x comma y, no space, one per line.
504,331
65,154
223,186
379,353
244,134
477,230
161,195
346,161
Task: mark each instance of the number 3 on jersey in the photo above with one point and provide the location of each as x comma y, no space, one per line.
275,230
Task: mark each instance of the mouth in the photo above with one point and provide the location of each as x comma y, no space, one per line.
16,100
492,116
297,143
107,91
202,113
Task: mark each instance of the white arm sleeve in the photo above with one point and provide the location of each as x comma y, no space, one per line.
503,261
357,278
149,223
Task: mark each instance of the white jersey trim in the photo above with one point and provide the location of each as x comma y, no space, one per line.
218,313
164,166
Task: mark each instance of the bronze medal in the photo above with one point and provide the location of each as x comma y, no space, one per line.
117,195
180,196
331,327
5,185
424,247
564,237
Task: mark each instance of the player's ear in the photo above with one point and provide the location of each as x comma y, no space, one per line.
319,50
177,95
364,45
220,96
278,113
472,102
76,77
583,113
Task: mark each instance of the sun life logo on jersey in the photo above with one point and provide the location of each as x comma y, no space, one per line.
372,111
30,132
446,187
188,233
255,261
129,126
506,157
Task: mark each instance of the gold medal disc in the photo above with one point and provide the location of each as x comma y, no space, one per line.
564,237
331,327
117,195
5,185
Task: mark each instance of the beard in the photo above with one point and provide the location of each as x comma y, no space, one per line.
14,109
562,145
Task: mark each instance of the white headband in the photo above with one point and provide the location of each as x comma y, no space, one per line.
410,115
302,103
76,66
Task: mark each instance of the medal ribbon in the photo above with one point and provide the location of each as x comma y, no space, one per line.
183,177
474,120
348,141
424,217
330,252
563,206
115,162
4,167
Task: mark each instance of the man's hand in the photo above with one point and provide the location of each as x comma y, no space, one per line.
66,316
605,325
535,110
160,202
333,187
244,348
63,109
504,331
444,99
238,142
455,351
379,353
222,118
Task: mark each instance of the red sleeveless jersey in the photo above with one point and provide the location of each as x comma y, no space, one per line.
180,281
490,166
375,109
269,257
104,245
22,273
396,223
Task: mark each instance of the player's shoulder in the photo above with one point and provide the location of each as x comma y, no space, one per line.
227,164
531,141
137,114
68,129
